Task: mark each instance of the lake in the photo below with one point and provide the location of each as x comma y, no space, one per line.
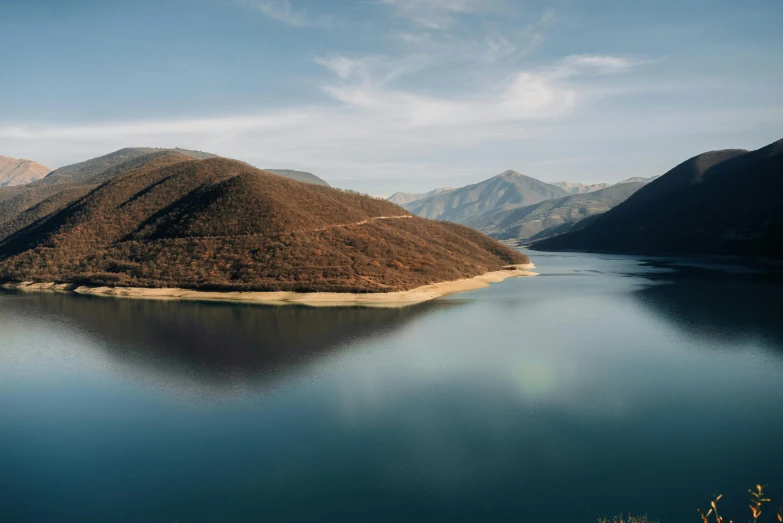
607,384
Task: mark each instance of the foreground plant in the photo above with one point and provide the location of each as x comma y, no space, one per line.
757,500
628,519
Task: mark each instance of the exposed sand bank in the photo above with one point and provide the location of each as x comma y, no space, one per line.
313,299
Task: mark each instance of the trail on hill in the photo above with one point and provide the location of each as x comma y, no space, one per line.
368,220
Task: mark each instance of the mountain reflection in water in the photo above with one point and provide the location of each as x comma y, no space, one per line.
218,344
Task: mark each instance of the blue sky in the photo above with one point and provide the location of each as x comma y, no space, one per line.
389,95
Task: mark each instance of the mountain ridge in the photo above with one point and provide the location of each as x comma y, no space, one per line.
554,216
507,190
716,203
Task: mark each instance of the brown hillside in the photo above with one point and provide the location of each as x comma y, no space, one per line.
222,224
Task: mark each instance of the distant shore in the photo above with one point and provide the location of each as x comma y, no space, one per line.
312,299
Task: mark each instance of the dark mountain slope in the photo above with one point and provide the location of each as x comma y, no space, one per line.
221,224
506,191
71,181
726,203
46,206
550,216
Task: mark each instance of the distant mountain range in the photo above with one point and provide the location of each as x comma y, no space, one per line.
402,198
16,171
721,202
580,188
168,218
299,176
552,217
506,191
514,206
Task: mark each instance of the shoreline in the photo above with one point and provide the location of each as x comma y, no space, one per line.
311,299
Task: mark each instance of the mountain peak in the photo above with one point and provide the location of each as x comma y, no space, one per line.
20,171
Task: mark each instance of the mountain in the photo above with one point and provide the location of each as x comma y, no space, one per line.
506,191
15,171
402,198
99,170
638,179
22,205
553,216
299,176
717,203
218,224
580,188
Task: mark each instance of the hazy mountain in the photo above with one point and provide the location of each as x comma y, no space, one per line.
299,176
101,169
638,179
580,188
175,221
506,191
721,202
16,171
553,216
402,198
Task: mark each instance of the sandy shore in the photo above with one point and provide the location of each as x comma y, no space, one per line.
313,299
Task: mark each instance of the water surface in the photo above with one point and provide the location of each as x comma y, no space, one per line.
607,384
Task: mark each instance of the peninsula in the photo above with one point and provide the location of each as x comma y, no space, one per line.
175,227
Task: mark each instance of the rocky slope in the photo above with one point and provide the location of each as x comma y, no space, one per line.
15,171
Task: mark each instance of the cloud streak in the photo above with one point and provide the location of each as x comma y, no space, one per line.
439,14
370,130
285,12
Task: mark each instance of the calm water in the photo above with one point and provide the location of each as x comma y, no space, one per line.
604,385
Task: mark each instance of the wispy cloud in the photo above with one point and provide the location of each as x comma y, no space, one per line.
371,148
373,129
284,11
602,64
545,93
439,14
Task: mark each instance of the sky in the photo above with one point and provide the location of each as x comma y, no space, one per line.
382,96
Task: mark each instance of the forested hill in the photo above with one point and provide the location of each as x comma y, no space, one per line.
221,224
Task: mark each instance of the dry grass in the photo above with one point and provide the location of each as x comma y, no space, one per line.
628,519
758,499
